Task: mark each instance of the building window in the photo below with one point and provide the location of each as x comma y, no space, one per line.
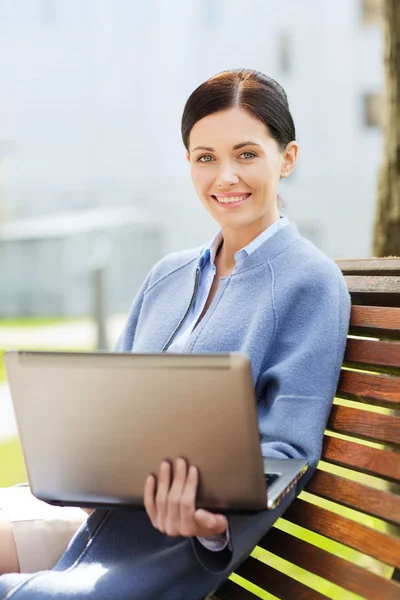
372,110
284,53
371,12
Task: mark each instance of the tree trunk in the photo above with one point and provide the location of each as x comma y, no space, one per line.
387,218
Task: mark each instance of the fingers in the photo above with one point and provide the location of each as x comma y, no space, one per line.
163,485
171,507
149,499
188,503
164,502
172,524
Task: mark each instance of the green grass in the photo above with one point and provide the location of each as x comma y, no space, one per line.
12,467
33,321
30,322
2,369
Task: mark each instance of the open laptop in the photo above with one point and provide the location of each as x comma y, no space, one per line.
94,425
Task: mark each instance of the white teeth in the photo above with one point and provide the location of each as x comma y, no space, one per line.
230,199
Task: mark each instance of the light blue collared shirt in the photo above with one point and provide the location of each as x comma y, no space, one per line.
208,271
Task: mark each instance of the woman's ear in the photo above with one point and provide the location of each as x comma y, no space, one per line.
187,156
289,159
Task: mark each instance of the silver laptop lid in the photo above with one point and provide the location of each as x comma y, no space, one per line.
94,425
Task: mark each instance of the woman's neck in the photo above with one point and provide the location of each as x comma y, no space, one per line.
236,239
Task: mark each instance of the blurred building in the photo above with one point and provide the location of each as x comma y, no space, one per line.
92,91
50,266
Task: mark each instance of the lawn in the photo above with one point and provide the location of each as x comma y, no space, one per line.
2,369
33,321
12,468
30,322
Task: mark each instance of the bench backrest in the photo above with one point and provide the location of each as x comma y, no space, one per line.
345,528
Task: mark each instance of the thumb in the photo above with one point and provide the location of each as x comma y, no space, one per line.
215,523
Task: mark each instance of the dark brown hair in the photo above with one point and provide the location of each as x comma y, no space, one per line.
244,88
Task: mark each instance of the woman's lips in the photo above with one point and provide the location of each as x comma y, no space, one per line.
230,200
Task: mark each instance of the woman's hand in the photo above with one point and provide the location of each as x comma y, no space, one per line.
172,507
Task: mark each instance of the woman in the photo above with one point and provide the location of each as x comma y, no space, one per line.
260,288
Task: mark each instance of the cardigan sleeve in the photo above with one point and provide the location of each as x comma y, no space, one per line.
295,392
125,340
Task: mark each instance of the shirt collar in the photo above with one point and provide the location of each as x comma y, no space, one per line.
210,252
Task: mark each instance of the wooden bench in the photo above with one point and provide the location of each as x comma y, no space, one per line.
359,470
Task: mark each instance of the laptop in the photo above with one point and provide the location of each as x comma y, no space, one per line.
94,425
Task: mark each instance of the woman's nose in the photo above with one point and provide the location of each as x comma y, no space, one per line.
226,176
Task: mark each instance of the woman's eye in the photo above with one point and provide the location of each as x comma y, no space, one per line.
248,153
205,156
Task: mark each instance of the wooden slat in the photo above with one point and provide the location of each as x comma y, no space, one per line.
275,582
384,356
375,321
232,591
381,463
365,424
369,284
379,545
381,390
374,291
345,574
371,501
370,266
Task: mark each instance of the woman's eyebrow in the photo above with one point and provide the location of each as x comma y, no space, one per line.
249,143
236,147
203,148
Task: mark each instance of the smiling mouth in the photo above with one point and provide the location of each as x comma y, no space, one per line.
231,200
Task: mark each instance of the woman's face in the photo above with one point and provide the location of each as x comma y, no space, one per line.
236,167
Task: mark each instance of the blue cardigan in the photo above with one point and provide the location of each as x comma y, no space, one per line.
287,307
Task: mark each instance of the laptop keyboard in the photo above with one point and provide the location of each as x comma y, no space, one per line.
270,478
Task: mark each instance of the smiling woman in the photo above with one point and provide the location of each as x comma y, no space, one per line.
243,175
257,287
240,143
